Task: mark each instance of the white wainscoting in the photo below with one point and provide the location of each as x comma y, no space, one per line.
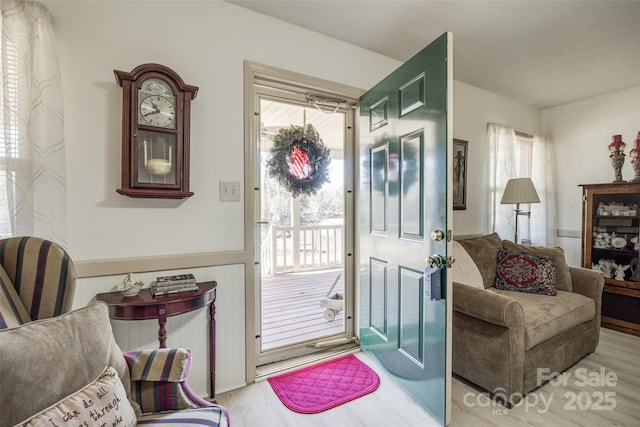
571,242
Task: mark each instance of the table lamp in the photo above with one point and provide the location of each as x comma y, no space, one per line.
519,190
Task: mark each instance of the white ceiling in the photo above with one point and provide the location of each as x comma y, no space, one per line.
540,53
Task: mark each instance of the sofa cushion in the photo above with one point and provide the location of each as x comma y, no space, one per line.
101,402
12,311
464,270
525,273
52,358
546,316
563,278
484,252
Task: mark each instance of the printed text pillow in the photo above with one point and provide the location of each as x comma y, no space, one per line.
525,273
103,402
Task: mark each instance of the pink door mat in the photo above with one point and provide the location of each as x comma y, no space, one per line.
326,385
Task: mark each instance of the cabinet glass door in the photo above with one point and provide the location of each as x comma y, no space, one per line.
611,245
615,236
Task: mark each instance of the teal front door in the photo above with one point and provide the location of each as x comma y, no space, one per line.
404,207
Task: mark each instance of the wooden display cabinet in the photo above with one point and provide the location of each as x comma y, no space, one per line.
610,244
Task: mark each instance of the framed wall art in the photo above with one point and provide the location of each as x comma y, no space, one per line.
460,174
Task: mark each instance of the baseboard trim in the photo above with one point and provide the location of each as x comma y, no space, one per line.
575,234
117,266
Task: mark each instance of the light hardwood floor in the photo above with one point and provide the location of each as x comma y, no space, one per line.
554,404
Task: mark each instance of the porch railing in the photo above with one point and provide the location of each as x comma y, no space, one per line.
306,247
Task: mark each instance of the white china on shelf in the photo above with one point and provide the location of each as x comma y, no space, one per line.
618,242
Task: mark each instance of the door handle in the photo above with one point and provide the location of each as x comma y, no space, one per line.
435,261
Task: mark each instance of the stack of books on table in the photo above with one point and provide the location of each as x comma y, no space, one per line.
166,285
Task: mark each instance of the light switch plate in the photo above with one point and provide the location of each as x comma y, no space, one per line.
229,191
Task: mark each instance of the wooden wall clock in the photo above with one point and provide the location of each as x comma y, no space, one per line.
156,116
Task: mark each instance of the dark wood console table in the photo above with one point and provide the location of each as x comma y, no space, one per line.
145,306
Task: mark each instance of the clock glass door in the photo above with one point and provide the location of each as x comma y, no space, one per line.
156,158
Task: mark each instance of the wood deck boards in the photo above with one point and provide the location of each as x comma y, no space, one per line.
291,309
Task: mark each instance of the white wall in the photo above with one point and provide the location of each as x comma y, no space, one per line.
581,132
206,43
473,108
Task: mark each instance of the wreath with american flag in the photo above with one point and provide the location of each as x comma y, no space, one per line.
299,160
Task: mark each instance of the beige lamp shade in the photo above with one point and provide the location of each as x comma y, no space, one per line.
520,190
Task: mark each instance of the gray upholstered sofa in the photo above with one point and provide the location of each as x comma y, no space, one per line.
510,342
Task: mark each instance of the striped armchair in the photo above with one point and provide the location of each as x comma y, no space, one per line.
37,280
52,367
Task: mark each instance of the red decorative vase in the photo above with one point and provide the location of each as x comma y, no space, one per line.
617,157
617,144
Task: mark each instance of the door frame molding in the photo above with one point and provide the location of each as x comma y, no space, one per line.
449,280
255,73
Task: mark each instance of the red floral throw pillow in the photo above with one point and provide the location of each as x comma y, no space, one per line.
525,273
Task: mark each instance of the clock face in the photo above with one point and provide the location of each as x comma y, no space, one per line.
157,110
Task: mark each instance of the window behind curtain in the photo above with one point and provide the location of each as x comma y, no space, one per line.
32,157
515,154
524,151
9,142
523,169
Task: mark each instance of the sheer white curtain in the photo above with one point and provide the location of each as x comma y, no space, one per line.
503,159
543,214
502,167
32,170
